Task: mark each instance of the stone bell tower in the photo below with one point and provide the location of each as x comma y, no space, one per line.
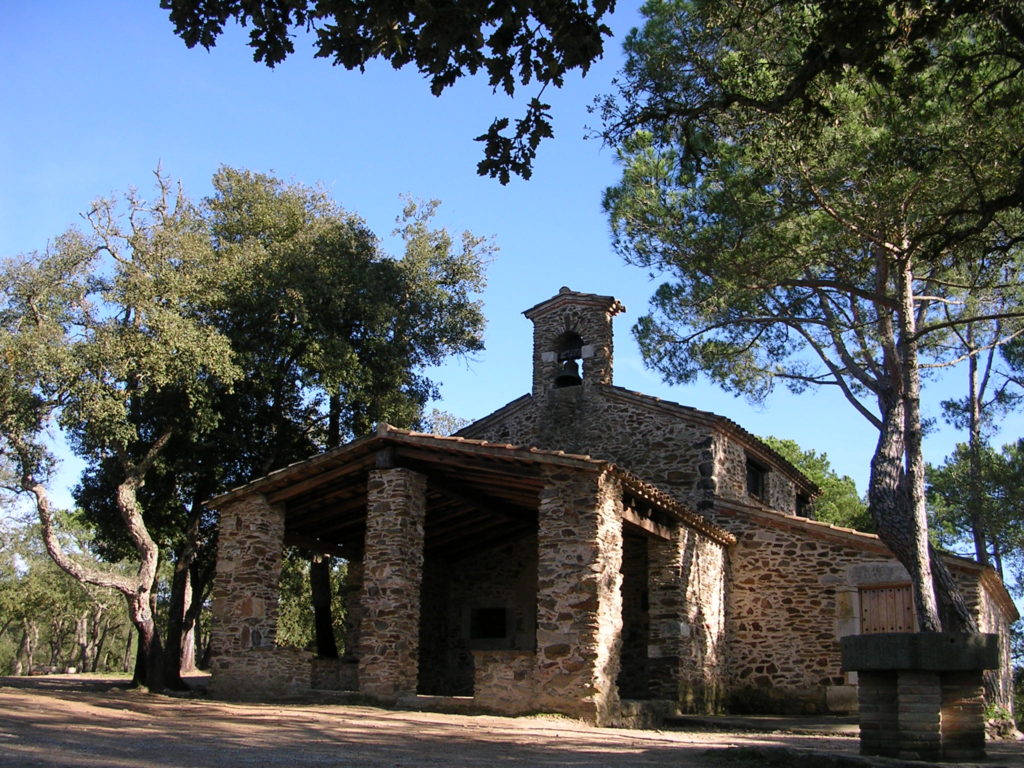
572,341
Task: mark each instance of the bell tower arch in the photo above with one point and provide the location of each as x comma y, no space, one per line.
572,340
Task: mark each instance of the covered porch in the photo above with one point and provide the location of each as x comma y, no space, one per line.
497,573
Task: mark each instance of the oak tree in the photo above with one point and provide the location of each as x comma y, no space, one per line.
89,328
185,349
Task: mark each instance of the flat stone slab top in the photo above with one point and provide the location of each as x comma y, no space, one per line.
921,651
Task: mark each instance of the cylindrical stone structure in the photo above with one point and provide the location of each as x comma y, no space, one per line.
392,576
921,695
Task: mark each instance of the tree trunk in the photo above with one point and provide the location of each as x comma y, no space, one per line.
23,659
975,502
82,640
187,652
175,627
897,489
126,659
58,635
137,590
149,653
198,584
896,492
101,630
323,621
897,522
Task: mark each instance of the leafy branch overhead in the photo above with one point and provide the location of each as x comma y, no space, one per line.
514,44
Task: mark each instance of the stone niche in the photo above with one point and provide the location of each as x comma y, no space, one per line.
921,694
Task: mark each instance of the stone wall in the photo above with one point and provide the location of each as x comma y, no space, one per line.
334,674
998,682
505,681
689,459
687,621
782,633
579,614
244,660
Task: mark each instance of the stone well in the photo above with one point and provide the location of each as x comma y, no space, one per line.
921,694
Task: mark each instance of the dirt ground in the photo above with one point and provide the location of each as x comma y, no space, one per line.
85,722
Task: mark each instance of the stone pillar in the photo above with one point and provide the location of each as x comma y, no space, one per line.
921,694
963,716
666,592
878,711
392,575
245,596
353,619
579,598
919,715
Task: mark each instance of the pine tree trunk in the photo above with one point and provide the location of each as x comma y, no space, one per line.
896,492
974,492
896,521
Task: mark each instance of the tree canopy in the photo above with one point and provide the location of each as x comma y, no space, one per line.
88,328
839,245
999,474
515,43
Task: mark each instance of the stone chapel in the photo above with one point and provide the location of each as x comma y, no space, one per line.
584,550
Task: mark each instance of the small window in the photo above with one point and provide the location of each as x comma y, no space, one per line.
803,506
488,624
756,478
887,609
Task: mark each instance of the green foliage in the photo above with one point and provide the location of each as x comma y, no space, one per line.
513,43
838,503
1001,485
783,231
47,618
295,617
329,333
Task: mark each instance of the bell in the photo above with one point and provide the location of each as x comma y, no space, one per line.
569,376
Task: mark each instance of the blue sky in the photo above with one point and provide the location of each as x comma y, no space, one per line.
96,95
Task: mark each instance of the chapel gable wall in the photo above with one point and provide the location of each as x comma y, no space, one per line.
691,460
